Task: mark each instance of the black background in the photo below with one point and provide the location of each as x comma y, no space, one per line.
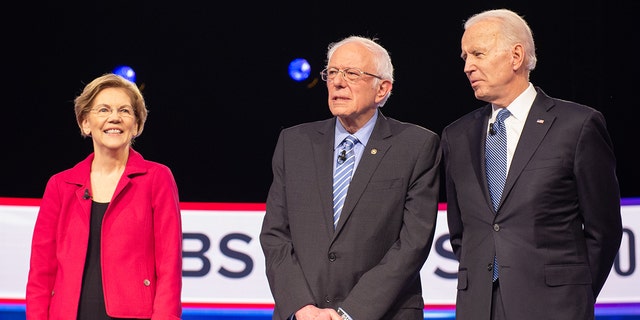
214,75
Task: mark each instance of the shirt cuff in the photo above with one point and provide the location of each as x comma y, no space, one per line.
344,314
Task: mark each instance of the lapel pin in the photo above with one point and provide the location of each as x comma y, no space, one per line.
540,121
374,151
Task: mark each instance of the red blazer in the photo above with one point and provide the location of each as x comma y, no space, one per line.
141,244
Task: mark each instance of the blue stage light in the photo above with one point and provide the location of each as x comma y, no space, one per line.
125,72
299,69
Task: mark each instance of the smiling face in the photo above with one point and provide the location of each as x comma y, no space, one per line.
111,123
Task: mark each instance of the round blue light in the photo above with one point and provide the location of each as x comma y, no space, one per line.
299,69
126,72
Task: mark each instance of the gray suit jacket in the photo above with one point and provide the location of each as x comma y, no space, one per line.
370,264
558,228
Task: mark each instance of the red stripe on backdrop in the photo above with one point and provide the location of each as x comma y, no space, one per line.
227,206
20,201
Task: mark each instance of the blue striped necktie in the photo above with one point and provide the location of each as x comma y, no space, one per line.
342,176
496,163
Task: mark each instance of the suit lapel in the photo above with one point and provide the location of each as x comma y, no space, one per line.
476,137
535,128
84,202
79,176
374,152
322,145
135,167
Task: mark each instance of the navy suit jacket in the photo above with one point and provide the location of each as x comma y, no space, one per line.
558,228
370,264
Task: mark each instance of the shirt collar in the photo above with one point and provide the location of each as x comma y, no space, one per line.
520,107
363,134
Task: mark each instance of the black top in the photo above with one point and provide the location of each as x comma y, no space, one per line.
91,306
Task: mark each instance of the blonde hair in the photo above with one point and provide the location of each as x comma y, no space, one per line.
83,102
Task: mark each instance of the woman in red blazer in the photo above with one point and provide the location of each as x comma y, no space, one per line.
107,242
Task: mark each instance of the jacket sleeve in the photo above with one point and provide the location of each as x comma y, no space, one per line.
43,262
454,219
168,246
599,198
286,279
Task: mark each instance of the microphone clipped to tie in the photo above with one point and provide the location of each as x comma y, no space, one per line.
86,196
342,156
491,131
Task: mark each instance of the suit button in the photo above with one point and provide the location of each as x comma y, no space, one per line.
496,227
147,282
332,257
490,267
327,299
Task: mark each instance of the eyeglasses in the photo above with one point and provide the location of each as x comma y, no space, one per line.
350,74
104,111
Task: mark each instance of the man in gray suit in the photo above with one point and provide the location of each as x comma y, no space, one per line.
361,262
557,227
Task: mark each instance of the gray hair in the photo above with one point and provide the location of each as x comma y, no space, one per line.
382,59
514,30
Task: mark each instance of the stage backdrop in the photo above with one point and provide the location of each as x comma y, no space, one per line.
224,266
